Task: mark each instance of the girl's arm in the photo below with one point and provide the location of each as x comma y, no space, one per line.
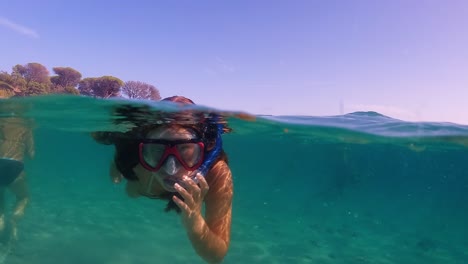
210,236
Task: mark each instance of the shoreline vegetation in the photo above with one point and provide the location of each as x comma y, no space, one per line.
35,79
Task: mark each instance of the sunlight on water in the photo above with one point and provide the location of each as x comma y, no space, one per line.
357,188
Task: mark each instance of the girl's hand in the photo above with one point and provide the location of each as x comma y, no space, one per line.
191,206
114,173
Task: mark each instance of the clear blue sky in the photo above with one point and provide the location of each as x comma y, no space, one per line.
405,59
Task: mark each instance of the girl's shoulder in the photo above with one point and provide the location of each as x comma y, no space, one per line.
219,174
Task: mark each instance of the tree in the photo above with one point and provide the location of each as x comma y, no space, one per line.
141,90
104,87
6,82
85,86
33,72
30,79
36,88
66,79
6,90
109,86
5,86
71,90
14,82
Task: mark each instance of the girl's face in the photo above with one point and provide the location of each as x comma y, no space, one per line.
171,165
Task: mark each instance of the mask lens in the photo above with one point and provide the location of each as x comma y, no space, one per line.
190,153
152,153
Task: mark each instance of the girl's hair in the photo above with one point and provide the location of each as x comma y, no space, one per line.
127,143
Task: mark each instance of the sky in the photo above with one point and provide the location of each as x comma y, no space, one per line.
404,59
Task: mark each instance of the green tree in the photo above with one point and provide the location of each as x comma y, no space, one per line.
6,90
6,86
66,80
104,87
140,90
6,81
33,72
85,86
30,79
36,88
14,82
71,90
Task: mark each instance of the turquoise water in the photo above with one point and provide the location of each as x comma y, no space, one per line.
358,188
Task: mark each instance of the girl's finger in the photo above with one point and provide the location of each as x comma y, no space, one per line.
191,186
188,198
183,206
203,185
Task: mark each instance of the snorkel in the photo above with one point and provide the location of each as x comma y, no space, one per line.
213,154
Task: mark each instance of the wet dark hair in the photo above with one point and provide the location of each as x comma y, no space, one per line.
144,120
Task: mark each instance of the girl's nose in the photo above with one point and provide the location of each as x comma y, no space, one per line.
170,166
